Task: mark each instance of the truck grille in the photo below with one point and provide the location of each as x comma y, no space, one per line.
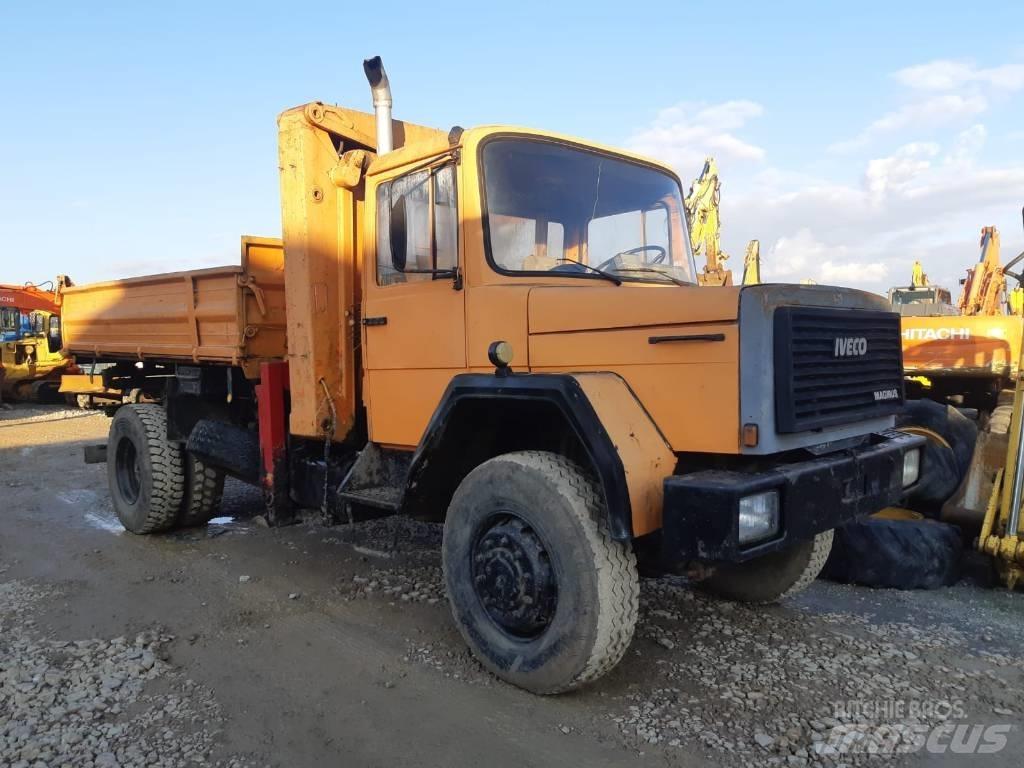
835,366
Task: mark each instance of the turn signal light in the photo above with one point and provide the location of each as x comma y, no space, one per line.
750,435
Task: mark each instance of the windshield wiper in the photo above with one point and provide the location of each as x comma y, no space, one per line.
595,270
675,280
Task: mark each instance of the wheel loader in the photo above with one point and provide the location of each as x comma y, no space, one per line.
501,329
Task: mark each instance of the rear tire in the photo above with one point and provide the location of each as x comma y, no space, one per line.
772,577
204,486
896,554
144,471
541,593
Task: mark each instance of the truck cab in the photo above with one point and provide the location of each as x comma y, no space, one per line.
501,328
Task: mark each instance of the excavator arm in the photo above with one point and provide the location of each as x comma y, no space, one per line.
702,214
985,284
752,263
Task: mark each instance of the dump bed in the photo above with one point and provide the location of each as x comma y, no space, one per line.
233,315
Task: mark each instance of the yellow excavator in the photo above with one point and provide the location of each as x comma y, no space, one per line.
961,361
702,211
31,362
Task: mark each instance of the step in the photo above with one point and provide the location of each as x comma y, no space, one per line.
383,496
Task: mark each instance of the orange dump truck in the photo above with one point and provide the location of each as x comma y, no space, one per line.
501,328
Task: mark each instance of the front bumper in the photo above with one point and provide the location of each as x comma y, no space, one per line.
701,509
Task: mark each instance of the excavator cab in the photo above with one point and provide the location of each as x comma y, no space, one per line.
922,300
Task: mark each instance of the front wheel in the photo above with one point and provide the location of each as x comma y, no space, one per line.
771,577
541,593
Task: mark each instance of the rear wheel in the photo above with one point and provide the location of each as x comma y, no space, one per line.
771,577
204,486
541,593
144,470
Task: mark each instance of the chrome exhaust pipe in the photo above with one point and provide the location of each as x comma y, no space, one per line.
381,90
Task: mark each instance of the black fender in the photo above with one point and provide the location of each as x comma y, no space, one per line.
437,458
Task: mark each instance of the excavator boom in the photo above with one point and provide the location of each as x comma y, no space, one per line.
752,263
702,212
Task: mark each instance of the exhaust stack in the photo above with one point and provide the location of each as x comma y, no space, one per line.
381,90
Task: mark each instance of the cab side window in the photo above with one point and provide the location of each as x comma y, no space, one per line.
417,227
9,319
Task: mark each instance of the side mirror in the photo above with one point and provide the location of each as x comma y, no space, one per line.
397,234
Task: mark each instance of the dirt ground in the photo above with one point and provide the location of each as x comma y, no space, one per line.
314,645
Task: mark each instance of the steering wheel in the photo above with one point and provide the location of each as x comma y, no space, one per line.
659,256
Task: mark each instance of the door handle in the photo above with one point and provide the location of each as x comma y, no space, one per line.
691,337
382,320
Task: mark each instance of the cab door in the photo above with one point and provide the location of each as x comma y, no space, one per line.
413,314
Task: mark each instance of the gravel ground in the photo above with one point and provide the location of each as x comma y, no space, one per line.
84,702
236,644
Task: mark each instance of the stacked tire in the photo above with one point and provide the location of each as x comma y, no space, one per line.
915,550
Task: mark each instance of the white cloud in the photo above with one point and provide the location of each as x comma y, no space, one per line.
898,172
793,256
686,133
853,272
930,112
924,200
924,193
944,91
968,145
802,256
947,75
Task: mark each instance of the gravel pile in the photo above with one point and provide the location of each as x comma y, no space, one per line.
85,704
415,584
779,686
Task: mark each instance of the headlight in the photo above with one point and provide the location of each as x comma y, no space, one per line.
911,466
759,516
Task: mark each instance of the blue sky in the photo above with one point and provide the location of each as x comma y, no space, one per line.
852,138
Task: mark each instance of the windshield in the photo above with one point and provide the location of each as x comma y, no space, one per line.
927,295
553,208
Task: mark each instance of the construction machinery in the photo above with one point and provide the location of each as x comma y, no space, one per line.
703,216
1001,537
963,353
31,361
961,358
752,263
502,329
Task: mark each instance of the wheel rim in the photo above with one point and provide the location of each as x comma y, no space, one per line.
129,473
513,577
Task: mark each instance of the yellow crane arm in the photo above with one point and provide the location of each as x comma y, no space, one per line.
752,263
985,285
918,279
703,217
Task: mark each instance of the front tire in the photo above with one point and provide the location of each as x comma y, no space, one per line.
770,578
144,470
541,593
